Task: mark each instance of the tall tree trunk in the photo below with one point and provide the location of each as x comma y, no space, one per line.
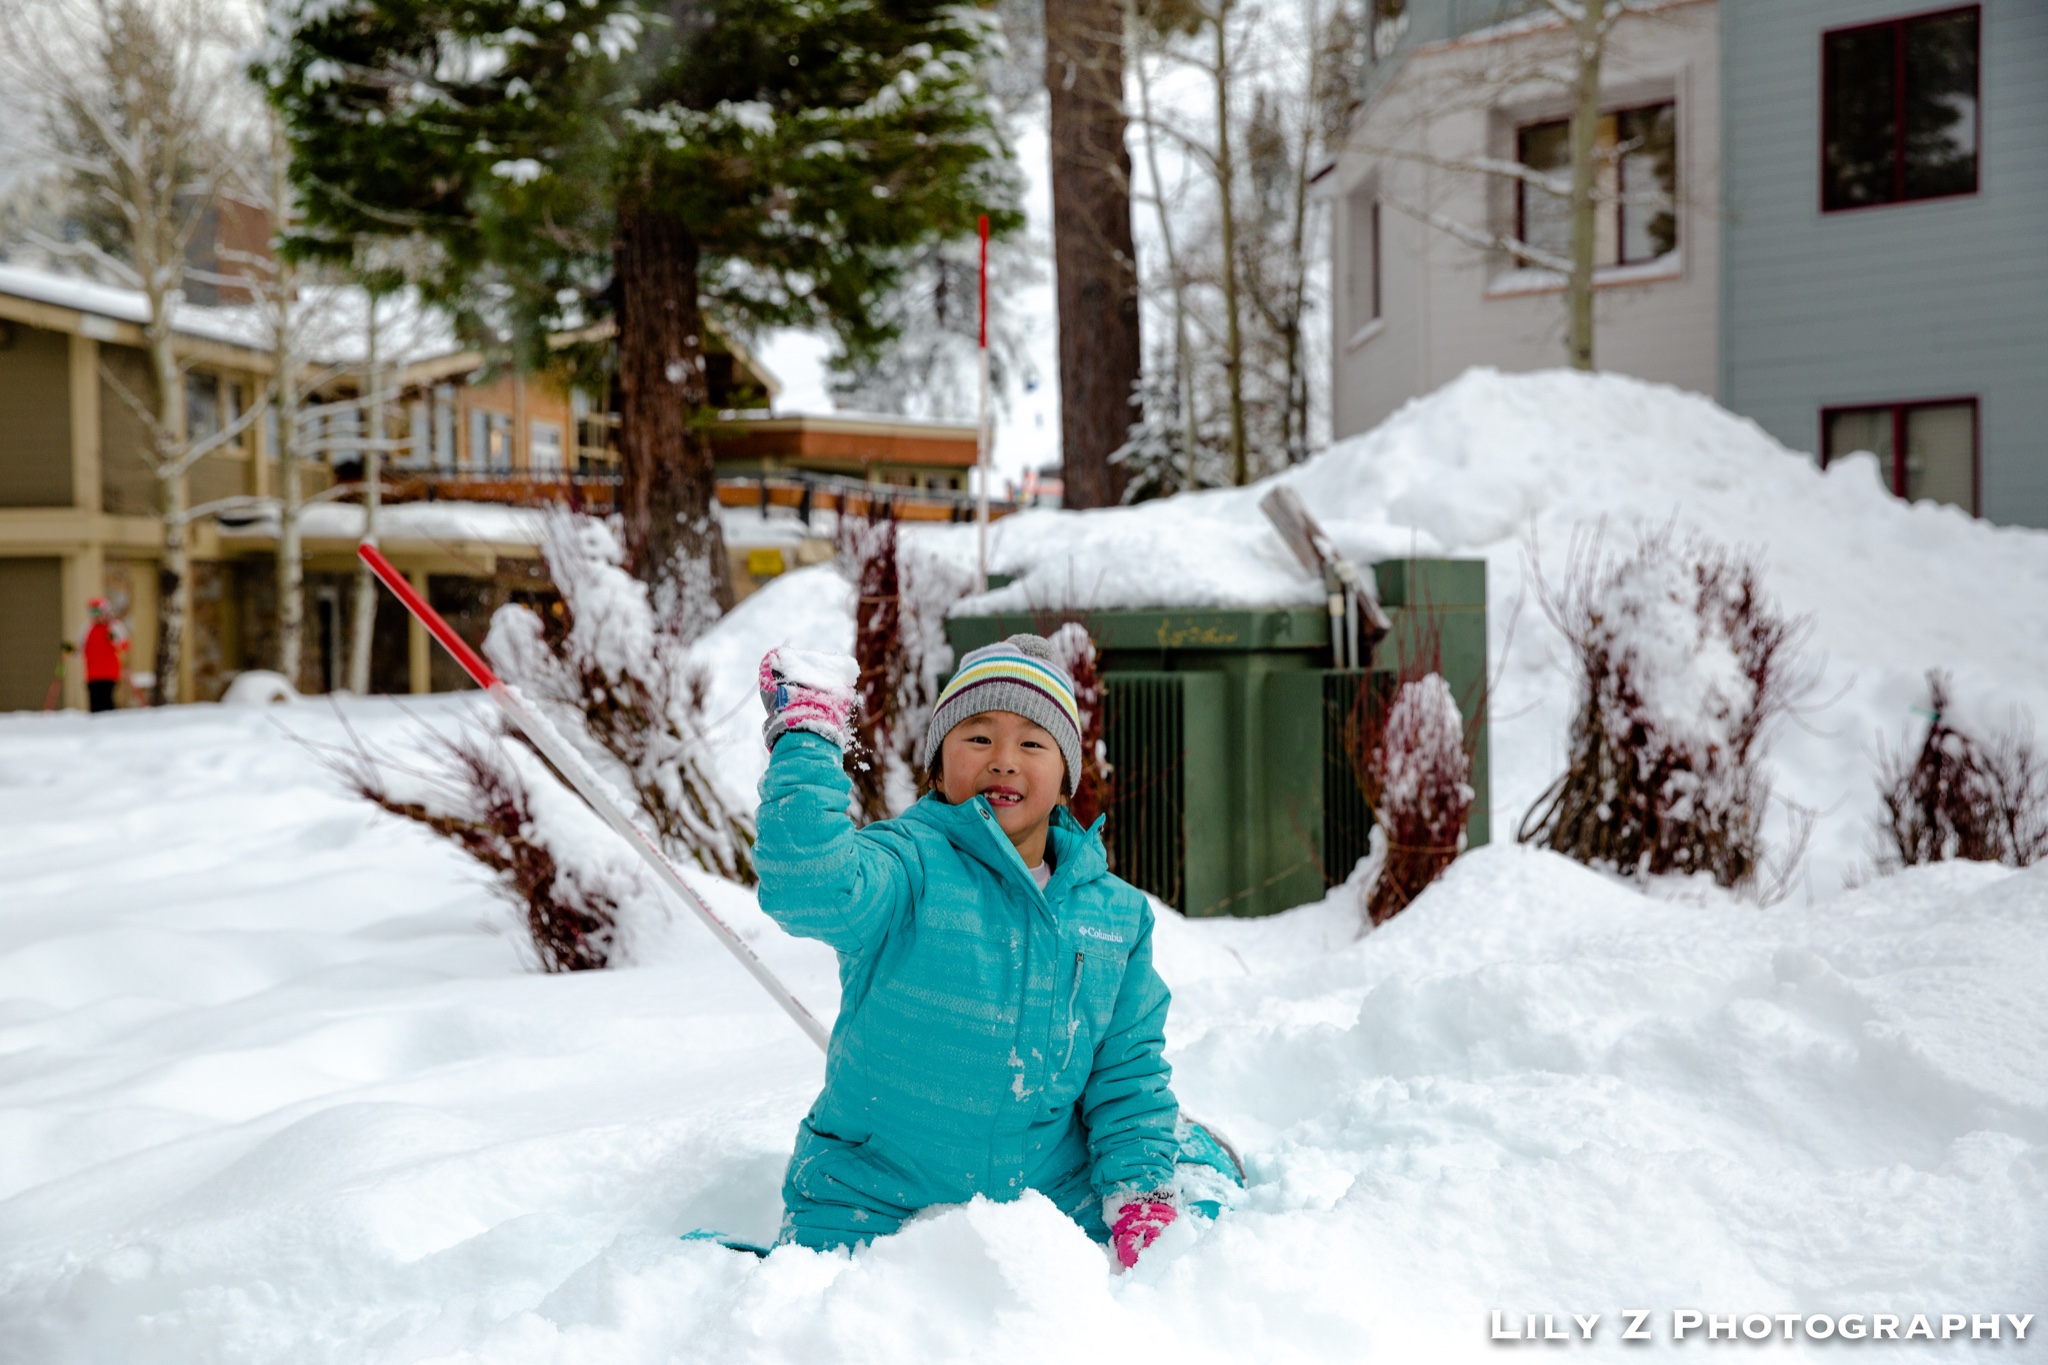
174,574
1094,257
1233,332
1585,136
673,541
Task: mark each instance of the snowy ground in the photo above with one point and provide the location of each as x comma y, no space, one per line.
276,1085
276,1082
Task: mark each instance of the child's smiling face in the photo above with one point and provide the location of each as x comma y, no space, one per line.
1016,764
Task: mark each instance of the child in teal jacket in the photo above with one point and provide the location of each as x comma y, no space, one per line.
1001,1027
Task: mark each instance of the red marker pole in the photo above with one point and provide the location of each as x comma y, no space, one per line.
982,438
589,786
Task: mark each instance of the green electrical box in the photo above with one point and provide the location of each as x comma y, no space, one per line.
1232,790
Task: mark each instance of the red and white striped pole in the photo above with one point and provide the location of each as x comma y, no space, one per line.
982,441
589,786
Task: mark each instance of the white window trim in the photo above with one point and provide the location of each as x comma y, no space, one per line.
1511,284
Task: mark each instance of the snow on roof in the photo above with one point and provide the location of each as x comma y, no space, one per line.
435,522
334,318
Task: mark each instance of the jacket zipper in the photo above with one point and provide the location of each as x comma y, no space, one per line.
1072,996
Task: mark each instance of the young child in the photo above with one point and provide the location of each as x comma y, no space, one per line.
1001,1028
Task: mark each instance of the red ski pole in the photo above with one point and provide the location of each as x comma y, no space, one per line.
589,786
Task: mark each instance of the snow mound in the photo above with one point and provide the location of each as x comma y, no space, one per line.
1507,468
278,1086
259,687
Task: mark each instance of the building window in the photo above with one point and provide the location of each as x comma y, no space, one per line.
444,426
544,447
202,405
1362,271
1635,218
1923,450
490,441
1899,110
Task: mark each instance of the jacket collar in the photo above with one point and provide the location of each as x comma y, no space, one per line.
1077,853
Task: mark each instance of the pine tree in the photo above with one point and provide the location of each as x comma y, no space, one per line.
777,161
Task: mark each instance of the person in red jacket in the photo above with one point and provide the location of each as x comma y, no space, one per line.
106,647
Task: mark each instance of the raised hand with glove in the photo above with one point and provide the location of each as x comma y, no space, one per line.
808,690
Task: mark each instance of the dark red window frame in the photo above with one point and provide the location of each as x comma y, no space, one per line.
1375,260
1620,180
1895,477
1899,110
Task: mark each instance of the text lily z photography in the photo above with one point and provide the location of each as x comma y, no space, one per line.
1693,1324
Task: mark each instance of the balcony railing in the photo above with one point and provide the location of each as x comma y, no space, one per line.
599,492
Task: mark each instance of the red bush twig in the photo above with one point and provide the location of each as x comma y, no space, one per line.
479,804
1960,796
1074,649
1684,663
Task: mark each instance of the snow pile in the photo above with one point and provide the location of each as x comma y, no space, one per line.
277,1085
1495,465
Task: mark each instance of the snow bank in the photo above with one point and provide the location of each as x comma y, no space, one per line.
277,1086
1500,466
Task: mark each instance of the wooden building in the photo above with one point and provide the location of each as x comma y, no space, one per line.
472,451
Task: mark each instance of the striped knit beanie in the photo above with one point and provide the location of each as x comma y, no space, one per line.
1016,675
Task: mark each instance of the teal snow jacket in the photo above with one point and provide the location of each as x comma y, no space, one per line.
991,1038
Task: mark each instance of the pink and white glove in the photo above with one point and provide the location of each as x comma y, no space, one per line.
803,690
1137,1224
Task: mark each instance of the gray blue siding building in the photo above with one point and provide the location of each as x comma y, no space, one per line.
1832,316
1861,255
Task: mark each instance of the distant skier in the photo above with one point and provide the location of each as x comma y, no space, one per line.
1001,1027
106,649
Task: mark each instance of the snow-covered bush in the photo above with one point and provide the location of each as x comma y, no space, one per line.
475,794
615,676
1418,781
1985,800
1684,663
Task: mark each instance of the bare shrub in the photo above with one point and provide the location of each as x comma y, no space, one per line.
616,677
1418,781
902,595
473,795
1959,796
867,557
1073,648
1684,663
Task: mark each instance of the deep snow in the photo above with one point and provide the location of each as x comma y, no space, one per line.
277,1086
276,1083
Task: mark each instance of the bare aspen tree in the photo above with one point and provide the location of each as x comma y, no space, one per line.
134,101
1568,57
1183,353
1273,78
363,616
290,316
1226,197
